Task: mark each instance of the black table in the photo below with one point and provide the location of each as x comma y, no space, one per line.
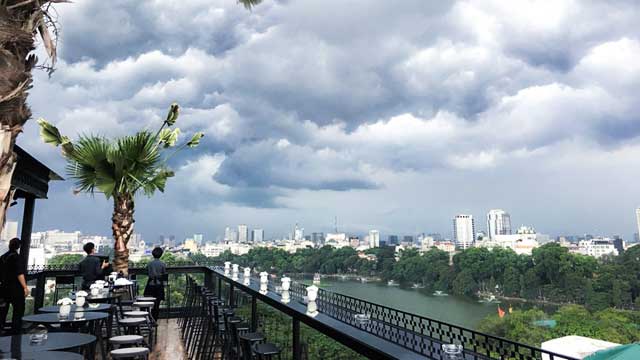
109,297
94,318
47,355
21,344
56,308
71,320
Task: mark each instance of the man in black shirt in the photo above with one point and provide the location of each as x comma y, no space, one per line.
14,286
155,287
91,267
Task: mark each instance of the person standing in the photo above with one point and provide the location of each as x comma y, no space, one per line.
155,287
14,286
91,266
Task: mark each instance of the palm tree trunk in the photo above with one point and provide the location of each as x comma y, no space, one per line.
16,42
122,227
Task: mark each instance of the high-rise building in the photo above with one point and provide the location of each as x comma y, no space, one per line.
198,238
317,238
298,233
374,238
638,220
257,236
464,231
498,223
392,240
243,234
407,239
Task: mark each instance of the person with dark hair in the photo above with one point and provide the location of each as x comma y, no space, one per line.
91,266
14,286
155,287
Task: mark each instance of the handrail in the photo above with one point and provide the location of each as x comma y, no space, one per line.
416,333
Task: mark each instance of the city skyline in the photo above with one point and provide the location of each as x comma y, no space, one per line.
426,110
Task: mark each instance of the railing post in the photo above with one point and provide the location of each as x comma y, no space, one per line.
254,313
219,287
297,349
38,300
208,279
231,294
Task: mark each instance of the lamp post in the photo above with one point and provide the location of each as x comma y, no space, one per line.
312,295
247,276
264,280
286,284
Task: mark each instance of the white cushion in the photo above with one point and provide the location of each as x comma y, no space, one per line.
136,313
129,352
133,320
126,339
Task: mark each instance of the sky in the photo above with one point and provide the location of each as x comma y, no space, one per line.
388,115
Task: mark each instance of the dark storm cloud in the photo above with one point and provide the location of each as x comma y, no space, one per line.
300,98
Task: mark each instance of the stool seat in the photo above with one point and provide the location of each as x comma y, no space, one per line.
145,298
243,326
266,349
143,304
129,352
252,336
136,313
132,321
126,339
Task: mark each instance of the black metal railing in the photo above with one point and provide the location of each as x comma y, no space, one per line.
386,331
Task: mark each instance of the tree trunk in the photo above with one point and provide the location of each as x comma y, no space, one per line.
122,227
17,27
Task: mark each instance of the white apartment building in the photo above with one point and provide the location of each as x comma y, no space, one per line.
498,223
374,238
522,242
597,247
464,231
243,234
257,236
337,240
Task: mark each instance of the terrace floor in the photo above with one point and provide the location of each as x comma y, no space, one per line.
169,346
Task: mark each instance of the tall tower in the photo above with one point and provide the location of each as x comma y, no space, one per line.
243,233
498,223
464,231
638,220
374,238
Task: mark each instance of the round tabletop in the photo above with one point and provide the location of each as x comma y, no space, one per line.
45,355
74,317
90,307
20,344
102,297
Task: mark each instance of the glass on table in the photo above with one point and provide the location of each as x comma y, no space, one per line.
39,335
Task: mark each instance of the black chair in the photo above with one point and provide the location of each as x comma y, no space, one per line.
64,284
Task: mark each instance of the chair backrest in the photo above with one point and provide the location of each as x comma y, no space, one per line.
245,347
65,280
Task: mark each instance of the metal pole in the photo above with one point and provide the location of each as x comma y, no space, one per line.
231,295
254,313
27,226
219,287
39,293
297,349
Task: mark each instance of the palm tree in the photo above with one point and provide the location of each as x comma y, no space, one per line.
19,21
120,169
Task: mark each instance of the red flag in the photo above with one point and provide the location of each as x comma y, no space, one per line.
500,312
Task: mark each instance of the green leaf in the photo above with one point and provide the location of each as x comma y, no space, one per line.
50,134
172,116
195,140
168,137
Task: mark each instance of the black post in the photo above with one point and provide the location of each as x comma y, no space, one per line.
208,281
297,349
38,300
231,295
219,287
27,226
254,313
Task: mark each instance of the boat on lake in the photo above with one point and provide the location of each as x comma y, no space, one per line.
417,286
316,279
392,283
440,293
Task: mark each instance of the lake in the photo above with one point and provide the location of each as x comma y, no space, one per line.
458,310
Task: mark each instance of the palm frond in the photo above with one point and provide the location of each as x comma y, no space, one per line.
249,4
